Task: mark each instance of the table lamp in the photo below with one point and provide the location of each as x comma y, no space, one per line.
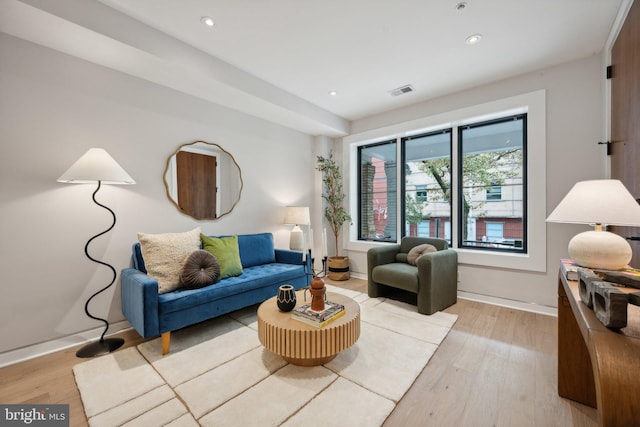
297,215
97,166
598,202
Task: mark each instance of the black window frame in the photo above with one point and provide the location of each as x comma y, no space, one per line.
403,180
456,185
523,247
359,183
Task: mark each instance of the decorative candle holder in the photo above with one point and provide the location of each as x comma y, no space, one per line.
318,273
317,291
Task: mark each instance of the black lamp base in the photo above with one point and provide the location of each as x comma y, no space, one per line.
100,348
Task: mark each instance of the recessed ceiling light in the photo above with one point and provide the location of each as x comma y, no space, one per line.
333,93
474,39
207,20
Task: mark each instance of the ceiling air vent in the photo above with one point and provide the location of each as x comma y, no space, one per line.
402,90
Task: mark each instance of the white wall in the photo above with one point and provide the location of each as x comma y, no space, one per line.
574,125
53,108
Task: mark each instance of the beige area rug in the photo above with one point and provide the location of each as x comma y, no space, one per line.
218,374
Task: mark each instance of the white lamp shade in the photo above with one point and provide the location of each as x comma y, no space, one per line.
602,201
297,215
96,165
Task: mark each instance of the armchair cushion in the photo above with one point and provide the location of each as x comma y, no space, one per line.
417,251
402,257
398,275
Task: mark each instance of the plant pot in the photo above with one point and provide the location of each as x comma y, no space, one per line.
338,267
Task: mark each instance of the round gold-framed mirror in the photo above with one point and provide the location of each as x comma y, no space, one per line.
203,180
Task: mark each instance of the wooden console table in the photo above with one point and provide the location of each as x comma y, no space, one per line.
598,366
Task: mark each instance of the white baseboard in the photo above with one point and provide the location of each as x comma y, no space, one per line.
362,276
509,303
36,350
502,302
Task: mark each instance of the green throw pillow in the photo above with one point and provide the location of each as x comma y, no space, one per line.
226,251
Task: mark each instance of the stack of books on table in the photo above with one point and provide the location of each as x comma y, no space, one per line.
569,268
318,319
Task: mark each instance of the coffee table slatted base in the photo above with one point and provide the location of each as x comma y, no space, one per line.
305,345
309,347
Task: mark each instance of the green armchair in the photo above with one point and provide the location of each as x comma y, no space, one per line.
434,278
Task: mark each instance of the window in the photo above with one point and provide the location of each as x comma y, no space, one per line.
523,235
494,232
423,229
494,192
492,168
421,193
377,198
427,160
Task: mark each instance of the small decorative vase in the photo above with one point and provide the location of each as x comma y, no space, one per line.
317,291
286,299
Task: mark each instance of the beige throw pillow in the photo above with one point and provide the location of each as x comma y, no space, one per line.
417,251
164,256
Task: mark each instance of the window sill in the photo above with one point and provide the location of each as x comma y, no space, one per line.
507,260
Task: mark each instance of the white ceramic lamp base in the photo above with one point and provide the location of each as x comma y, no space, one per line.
296,241
600,249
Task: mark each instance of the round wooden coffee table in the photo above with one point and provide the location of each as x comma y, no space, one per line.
305,345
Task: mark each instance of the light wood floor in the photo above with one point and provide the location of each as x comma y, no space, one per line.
497,367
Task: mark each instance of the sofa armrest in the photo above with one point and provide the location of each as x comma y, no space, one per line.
286,256
140,301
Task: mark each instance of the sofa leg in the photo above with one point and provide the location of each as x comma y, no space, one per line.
166,342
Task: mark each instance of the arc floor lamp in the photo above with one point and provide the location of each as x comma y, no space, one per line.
97,166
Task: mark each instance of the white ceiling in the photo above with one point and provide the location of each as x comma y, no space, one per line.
278,59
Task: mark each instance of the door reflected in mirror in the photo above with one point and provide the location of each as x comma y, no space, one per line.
203,180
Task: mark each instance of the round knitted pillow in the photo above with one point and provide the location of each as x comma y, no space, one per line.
417,251
199,269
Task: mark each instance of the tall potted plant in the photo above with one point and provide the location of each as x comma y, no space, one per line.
334,212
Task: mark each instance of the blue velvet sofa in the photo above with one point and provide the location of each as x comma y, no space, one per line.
264,270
